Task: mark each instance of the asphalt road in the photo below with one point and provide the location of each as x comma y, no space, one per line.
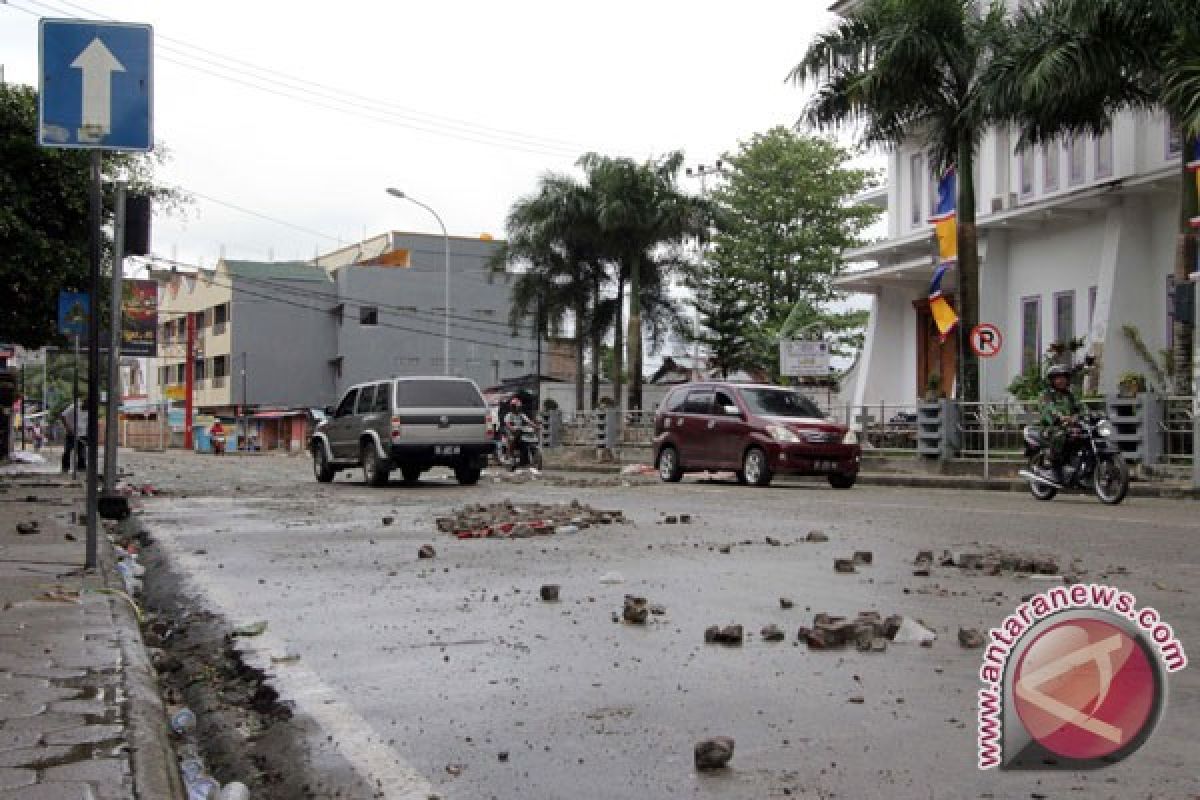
422,674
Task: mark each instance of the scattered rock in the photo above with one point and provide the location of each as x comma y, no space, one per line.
670,519
970,638
658,609
388,520
426,551
685,519
725,549
786,602
549,592
771,540
714,753
28,528
612,578
635,611
502,756
816,536
844,565
772,633
857,699
863,557
730,634
970,561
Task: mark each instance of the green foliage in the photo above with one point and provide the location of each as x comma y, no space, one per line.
1161,372
44,221
783,221
1030,384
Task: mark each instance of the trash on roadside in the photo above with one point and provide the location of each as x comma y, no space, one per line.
638,469
235,791
256,628
183,721
911,630
612,578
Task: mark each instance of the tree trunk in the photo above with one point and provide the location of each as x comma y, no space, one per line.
597,344
580,311
1185,263
968,273
634,343
618,377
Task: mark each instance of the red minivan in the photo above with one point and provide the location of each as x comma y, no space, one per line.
757,431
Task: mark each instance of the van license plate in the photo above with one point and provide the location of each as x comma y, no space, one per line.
446,450
825,466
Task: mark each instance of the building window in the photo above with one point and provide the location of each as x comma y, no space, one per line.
1091,309
180,372
221,314
1104,154
1050,162
932,182
917,180
1064,322
1031,332
199,372
368,315
1174,140
1025,165
220,366
516,362
1076,161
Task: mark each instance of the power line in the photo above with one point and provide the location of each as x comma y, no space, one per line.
333,99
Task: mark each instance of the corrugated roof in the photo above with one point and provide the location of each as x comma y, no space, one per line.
276,270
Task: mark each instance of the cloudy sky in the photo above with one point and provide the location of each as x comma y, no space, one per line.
305,112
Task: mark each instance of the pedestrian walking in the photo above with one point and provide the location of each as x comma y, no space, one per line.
75,422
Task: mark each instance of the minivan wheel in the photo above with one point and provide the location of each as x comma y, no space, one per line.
410,474
842,481
467,476
321,468
755,467
669,468
375,472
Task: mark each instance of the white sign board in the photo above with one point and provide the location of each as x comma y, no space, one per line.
799,359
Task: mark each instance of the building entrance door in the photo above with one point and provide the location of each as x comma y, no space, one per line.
937,361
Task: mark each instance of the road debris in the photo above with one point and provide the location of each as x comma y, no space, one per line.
772,633
549,592
844,565
786,602
862,557
970,638
714,753
730,634
869,632
612,578
519,521
636,610
816,536
426,551
257,628
28,528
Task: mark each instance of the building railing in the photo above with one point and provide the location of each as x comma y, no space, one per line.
1176,428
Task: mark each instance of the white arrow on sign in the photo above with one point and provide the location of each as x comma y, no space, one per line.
98,64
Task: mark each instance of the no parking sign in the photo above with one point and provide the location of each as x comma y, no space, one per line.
986,340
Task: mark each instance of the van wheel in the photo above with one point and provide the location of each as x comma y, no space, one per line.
467,476
410,474
375,472
755,467
669,468
321,469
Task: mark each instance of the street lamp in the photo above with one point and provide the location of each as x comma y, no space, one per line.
446,238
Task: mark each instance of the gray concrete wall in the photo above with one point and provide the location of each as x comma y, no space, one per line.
288,346
408,337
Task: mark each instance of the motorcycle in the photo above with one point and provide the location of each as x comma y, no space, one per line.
1094,462
510,456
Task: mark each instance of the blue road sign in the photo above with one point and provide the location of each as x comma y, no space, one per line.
96,85
73,310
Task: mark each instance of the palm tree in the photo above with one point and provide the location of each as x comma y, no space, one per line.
553,234
914,69
1073,64
641,213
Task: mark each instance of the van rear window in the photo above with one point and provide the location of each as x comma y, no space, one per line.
437,394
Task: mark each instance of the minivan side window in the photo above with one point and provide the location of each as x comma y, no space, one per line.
346,407
366,399
674,403
383,397
721,402
699,402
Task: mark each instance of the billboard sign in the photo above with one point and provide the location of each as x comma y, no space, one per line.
799,358
139,318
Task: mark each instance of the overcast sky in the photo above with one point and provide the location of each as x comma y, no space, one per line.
463,105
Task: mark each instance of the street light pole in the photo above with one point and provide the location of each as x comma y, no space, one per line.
446,239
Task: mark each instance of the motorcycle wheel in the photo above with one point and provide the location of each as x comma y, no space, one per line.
1039,490
537,459
1112,480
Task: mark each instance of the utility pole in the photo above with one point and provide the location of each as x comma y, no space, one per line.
189,383
245,420
114,343
703,172
537,334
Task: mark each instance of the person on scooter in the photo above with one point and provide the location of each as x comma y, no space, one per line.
514,421
1060,410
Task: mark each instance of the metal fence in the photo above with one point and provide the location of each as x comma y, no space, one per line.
883,427
1176,430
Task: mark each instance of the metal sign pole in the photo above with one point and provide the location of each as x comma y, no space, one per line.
984,411
114,344
93,399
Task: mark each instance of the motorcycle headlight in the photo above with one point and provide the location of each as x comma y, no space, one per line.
850,438
782,434
1105,429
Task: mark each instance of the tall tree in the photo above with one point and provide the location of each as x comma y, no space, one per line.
784,218
725,313
645,218
1073,64
44,221
915,70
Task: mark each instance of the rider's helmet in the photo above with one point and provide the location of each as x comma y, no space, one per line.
516,403
1058,371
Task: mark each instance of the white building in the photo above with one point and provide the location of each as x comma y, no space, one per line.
1076,239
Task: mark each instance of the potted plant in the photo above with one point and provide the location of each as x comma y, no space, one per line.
933,387
1131,384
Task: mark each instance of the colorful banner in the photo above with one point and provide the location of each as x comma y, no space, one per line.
945,218
1194,165
139,318
943,313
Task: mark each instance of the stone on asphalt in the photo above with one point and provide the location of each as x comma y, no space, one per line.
426,551
772,633
863,557
844,565
549,592
635,611
786,602
714,753
771,540
816,536
970,638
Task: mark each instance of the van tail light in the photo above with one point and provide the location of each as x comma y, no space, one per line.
395,428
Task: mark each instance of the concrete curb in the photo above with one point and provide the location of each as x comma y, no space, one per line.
155,775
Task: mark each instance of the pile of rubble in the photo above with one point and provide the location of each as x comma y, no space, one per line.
510,520
994,562
870,632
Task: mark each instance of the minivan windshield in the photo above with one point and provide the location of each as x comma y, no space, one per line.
437,394
779,403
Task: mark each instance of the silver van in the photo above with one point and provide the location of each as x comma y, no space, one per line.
409,424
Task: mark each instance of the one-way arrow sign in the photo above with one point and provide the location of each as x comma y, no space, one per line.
96,87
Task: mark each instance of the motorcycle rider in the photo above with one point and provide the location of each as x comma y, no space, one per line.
514,421
1060,410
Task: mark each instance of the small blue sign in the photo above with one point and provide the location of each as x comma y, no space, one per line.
97,90
73,314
